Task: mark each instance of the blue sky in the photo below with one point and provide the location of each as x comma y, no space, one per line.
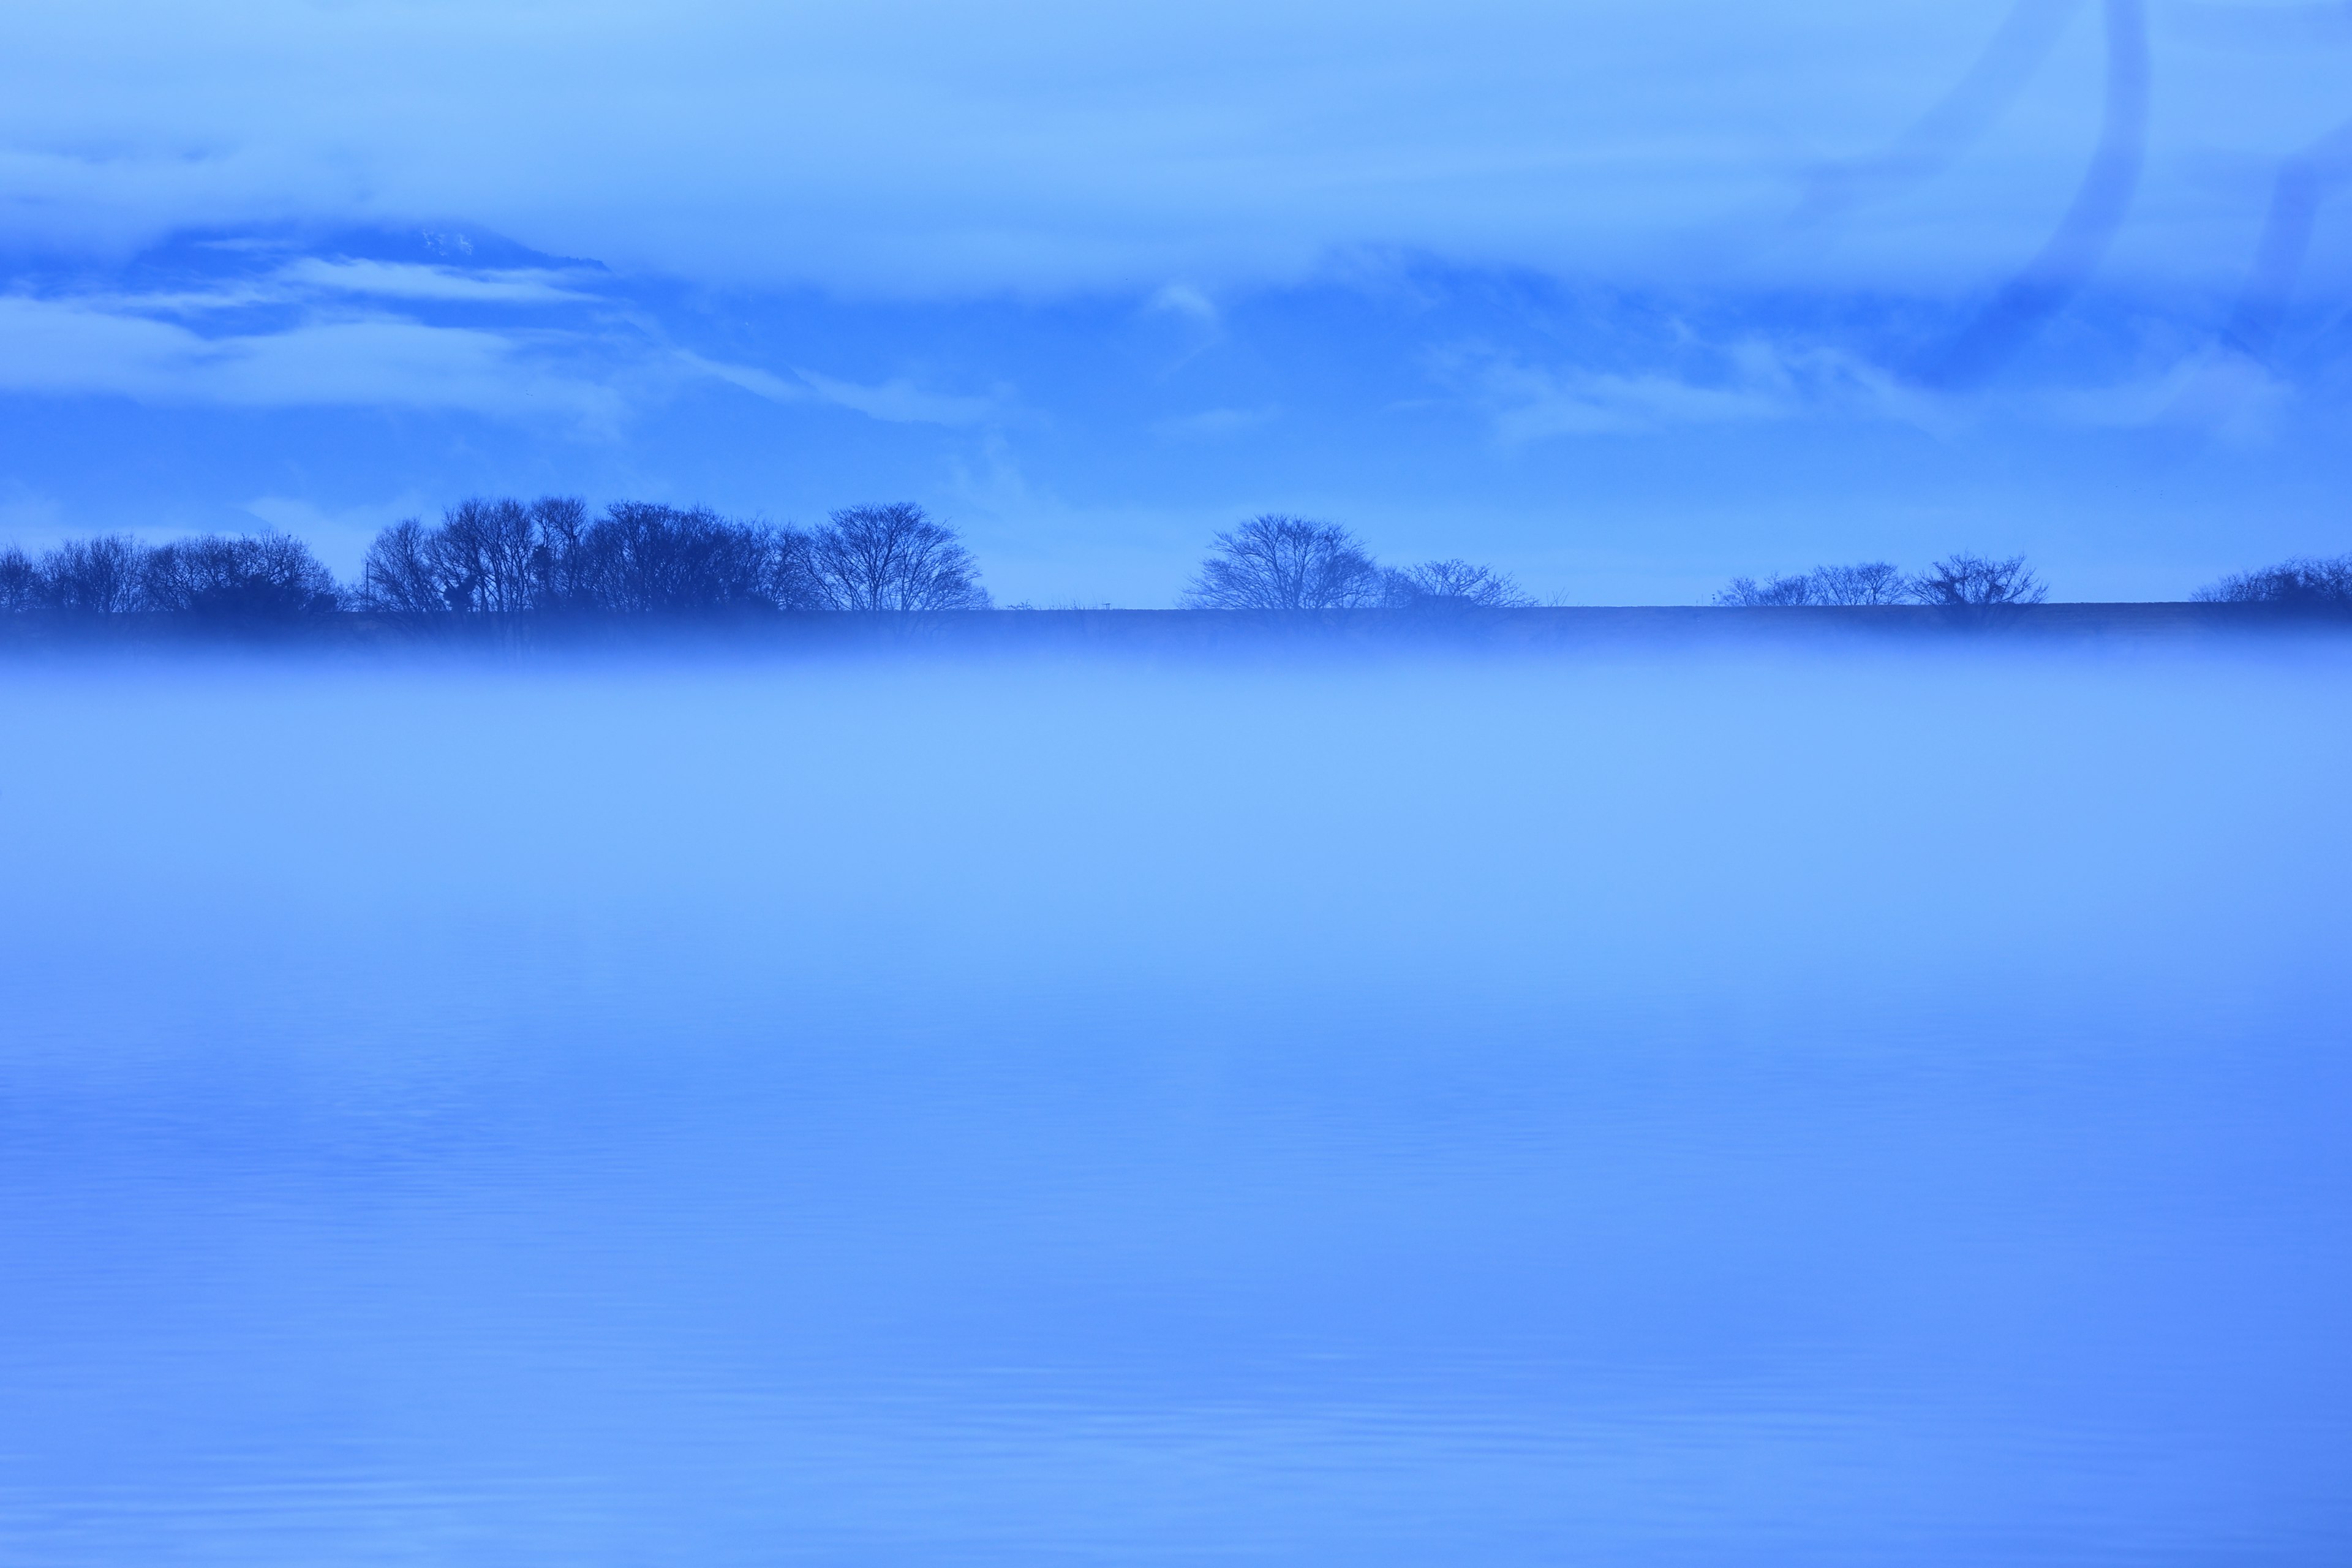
1627,297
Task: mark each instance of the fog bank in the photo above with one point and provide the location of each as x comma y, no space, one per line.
1678,1109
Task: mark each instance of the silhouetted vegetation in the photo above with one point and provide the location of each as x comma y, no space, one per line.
20,582
249,579
1978,580
1747,593
255,580
1451,584
1954,580
1280,562
2306,583
99,576
510,568
1864,583
890,558
503,558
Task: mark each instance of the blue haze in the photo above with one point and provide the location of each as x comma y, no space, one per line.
1649,1110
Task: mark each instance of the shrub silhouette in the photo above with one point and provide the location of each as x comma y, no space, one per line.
1978,580
2317,584
1864,583
1746,593
1451,584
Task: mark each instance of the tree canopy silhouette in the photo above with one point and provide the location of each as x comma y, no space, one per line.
253,580
1978,580
892,557
1451,584
1276,562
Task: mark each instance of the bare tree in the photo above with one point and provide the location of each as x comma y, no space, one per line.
641,558
892,558
1280,562
793,583
1864,583
97,577
488,557
256,578
560,564
401,576
1451,584
20,582
1747,593
503,558
1978,580
2305,581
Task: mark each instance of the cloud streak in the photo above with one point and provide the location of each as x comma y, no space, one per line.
71,348
338,330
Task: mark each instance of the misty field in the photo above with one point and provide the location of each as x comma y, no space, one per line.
1742,1107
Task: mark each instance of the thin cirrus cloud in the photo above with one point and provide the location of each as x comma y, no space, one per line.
326,330
146,348
1753,381
409,280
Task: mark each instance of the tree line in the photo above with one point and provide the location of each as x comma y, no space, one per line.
506,558
494,559
640,558
1965,579
1961,579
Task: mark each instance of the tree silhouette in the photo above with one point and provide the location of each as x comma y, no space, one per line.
255,579
1281,562
99,576
892,558
1978,580
20,582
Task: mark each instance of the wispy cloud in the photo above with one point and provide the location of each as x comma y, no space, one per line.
1749,381
408,281
1211,423
901,402
67,346
1184,300
338,331
894,402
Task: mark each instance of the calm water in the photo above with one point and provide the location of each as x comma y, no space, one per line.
1636,1112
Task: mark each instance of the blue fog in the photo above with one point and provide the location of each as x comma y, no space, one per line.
1697,1110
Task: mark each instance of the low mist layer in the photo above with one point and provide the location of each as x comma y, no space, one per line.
1673,1109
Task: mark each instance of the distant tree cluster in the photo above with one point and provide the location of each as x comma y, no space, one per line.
2314,584
251,579
493,560
549,557
503,558
1954,580
1281,562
